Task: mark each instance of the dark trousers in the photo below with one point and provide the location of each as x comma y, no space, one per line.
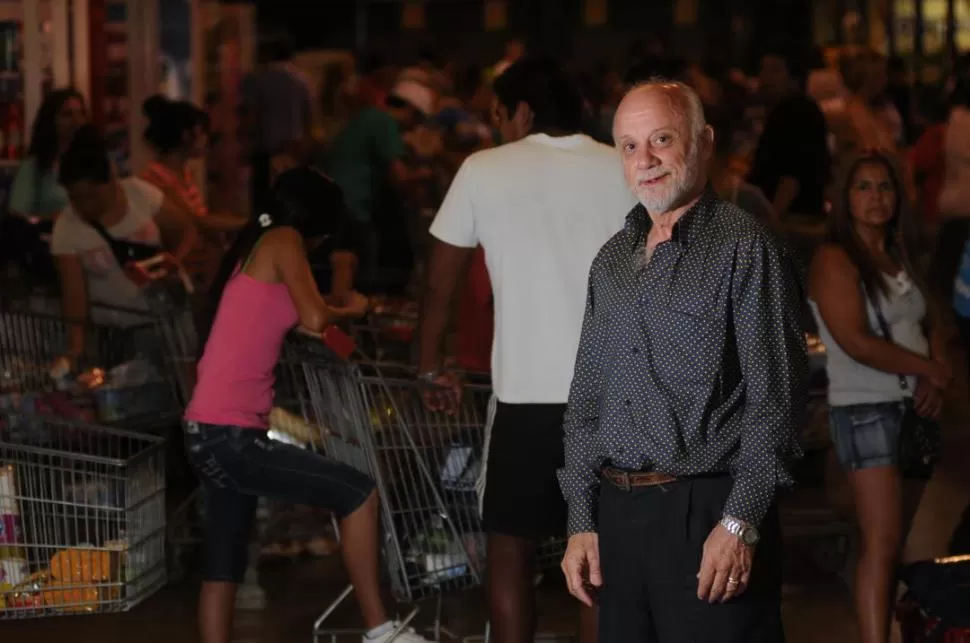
650,545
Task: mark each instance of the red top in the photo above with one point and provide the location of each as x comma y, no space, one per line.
476,318
928,161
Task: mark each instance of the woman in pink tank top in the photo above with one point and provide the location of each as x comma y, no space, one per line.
265,288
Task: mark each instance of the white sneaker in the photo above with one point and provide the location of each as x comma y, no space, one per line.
407,635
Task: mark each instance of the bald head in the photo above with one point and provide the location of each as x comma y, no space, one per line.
675,96
665,144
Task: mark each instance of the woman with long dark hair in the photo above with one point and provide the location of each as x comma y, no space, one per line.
263,290
35,191
885,347
36,197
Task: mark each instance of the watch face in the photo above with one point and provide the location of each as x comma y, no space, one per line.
749,536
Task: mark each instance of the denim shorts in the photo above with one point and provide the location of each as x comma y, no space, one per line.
866,435
236,466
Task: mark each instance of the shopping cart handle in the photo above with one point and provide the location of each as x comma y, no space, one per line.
334,338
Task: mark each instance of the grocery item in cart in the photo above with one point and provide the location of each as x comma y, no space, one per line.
297,428
11,534
84,565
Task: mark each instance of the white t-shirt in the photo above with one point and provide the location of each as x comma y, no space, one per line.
106,281
541,207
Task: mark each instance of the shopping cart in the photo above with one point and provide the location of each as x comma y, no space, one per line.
82,510
426,466
118,380
387,332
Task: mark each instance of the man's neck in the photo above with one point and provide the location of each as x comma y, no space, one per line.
664,222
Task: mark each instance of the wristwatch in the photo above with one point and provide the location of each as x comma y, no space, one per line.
747,534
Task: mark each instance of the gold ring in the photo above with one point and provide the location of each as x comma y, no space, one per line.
733,581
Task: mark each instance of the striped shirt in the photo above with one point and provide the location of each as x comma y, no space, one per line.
182,186
202,261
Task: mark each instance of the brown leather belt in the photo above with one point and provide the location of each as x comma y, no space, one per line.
627,480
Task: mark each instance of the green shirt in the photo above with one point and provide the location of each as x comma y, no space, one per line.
359,156
29,196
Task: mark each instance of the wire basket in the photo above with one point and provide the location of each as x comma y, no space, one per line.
83,514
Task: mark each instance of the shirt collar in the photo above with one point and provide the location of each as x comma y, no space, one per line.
687,229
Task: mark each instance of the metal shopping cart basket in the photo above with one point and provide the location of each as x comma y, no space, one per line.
83,514
117,380
426,466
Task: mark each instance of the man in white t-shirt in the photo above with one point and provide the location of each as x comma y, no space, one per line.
541,206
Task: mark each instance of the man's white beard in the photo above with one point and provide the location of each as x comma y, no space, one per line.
681,185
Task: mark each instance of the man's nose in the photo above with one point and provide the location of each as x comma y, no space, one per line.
645,158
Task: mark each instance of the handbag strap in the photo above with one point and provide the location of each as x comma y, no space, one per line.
119,246
887,334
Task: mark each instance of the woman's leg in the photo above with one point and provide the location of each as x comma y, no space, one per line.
360,545
263,467
878,499
217,607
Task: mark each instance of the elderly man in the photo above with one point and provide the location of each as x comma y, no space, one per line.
684,404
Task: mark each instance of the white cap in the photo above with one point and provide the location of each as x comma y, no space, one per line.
417,95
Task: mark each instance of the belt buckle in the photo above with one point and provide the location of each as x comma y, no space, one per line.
625,478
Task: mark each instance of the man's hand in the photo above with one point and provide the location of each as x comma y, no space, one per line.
725,567
443,393
927,399
580,564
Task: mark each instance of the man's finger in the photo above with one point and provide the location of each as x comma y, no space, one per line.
574,581
718,587
593,563
705,579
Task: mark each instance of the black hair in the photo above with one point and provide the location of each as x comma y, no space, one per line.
43,139
543,85
796,60
302,198
650,67
169,121
86,158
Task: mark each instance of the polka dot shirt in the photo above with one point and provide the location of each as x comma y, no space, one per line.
692,364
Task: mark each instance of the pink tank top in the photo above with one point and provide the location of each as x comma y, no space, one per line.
235,374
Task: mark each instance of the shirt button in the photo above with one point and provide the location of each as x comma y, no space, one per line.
627,402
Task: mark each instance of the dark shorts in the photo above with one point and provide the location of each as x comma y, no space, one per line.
866,435
650,543
237,466
522,495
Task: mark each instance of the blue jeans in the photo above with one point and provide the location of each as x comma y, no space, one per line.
237,466
866,435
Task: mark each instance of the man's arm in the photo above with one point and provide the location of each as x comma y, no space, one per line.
446,265
455,237
579,477
771,349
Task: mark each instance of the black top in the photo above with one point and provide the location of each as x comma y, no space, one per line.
695,364
794,143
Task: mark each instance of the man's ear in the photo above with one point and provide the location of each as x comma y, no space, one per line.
524,118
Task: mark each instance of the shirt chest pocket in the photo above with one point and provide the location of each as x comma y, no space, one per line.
687,337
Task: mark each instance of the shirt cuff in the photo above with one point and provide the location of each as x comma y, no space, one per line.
750,499
582,513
